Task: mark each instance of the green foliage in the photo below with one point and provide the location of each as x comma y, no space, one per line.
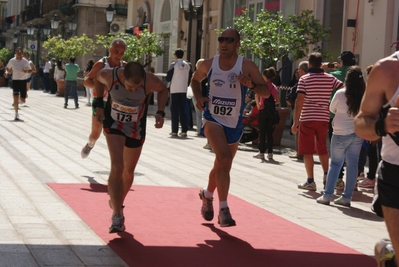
141,49
62,49
272,37
5,55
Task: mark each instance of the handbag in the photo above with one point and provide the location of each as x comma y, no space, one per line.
190,93
275,117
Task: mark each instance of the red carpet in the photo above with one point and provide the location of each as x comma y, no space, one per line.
164,228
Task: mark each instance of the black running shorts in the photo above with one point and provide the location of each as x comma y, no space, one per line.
19,88
388,185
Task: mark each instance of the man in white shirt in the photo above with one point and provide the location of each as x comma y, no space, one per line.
46,75
20,69
179,75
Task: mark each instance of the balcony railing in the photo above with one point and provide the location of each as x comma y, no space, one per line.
30,12
49,5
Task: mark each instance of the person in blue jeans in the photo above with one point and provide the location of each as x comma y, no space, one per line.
345,144
71,84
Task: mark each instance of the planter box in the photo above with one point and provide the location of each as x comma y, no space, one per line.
280,127
60,87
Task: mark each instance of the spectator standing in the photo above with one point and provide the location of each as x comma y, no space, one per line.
267,113
179,75
2,73
89,91
295,78
291,98
59,77
378,118
28,81
198,112
46,75
346,59
189,102
71,84
311,116
53,84
372,151
20,69
345,144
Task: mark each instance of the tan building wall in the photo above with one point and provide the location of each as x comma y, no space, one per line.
380,30
377,26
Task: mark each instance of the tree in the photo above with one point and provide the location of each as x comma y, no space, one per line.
272,37
142,48
76,46
5,55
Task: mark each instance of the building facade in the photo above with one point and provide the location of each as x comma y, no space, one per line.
368,28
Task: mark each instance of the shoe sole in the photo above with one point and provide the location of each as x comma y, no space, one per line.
342,204
324,203
117,230
233,223
366,186
309,189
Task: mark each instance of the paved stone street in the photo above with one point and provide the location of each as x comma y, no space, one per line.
37,226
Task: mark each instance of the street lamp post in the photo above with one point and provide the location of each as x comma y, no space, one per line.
31,31
15,41
192,10
72,25
55,21
109,16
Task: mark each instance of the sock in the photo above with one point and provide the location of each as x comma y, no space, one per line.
391,263
208,194
91,143
222,205
310,180
325,173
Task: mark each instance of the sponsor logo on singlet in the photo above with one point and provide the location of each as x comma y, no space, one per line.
218,82
124,108
232,78
221,101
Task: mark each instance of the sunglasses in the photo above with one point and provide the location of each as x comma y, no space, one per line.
228,40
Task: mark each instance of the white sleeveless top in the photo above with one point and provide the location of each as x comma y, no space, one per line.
225,94
106,66
389,150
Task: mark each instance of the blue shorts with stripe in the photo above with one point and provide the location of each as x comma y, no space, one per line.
233,135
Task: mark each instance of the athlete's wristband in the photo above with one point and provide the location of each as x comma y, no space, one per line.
251,88
161,112
99,103
380,127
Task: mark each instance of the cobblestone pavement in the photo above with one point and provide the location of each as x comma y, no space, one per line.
37,226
